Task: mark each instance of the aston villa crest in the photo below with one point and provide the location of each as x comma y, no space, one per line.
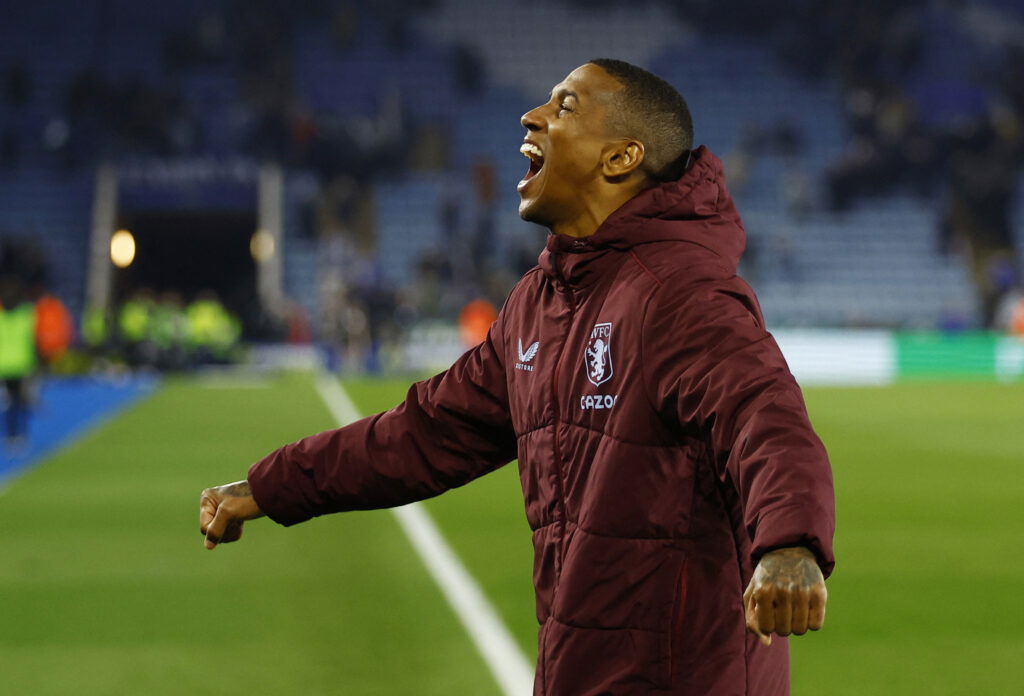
598,358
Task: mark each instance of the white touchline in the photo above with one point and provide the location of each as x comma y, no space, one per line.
489,634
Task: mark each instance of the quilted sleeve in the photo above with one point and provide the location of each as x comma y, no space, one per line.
714,369
449,430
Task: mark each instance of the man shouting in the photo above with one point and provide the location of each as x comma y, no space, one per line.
681,504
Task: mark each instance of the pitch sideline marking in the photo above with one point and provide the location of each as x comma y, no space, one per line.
489,634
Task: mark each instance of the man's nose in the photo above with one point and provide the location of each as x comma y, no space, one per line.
531,120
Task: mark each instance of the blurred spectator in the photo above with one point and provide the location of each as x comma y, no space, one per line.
134,329
18,358
169,332
475,321
54,328
433,292
297,321
1009,315
213,331
888,154
783,140
983,167
96,330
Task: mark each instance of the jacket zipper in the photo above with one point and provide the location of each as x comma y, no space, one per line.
559,487
558,417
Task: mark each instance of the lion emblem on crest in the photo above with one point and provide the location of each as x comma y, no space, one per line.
598,358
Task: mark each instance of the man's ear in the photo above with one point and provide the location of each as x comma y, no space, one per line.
621,158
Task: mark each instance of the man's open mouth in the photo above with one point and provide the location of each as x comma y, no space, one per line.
536,156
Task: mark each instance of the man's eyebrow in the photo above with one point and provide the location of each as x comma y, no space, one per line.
563,93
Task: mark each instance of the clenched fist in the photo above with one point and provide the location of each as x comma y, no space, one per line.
223,509
786,595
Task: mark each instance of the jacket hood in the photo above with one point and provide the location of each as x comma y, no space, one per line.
696,209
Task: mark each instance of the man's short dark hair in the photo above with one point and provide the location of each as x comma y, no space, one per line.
651,110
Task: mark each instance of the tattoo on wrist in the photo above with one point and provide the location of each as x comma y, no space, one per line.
795,566
238,489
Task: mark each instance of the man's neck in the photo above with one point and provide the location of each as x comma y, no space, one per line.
593,213
583,225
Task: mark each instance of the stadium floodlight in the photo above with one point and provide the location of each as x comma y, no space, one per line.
261,246
122,248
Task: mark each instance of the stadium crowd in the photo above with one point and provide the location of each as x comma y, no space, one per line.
934,102
960,145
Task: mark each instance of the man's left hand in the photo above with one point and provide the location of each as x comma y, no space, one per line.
786,595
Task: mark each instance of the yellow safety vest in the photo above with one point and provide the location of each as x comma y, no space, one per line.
17,341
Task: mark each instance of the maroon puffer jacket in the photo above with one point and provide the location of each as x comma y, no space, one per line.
663,447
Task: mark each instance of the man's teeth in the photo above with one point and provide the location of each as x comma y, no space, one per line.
531,151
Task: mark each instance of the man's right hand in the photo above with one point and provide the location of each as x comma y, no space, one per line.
223,509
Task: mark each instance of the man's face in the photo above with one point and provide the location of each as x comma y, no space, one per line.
564,143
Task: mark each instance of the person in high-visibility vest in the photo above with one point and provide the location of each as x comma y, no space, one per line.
96,323
169,331
135,328
213,331
18,360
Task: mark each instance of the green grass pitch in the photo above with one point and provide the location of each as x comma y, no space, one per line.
105,587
